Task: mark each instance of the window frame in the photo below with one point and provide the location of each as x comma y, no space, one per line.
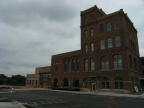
102,44
110,44
117,61
117,41
92,68
86,65
104,63
116,24
109,28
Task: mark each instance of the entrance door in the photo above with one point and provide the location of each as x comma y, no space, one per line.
93,86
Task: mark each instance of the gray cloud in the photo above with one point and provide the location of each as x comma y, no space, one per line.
18,13
33,30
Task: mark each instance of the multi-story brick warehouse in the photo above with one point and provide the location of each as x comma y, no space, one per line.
108,58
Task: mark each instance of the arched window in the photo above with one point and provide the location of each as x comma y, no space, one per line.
65,82
92,64
75,82
104,62
92,47
118,83
105,83
73,65
86,64
69,65
117,61
55,82
77,64
65,66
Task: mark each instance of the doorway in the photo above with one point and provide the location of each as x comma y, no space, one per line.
93,87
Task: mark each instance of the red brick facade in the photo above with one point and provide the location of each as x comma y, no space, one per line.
108,58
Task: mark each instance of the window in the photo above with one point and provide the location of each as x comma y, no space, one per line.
91,32
104,62
85,33
91,19
86,47
101,28
73,65
92,64
130,60
65,66
105,83
77,65
117,41
86,64
27,82
116,24
117,61
85,20
75,82
110,43
135,64
65,82
92,47
108,27
102,44
118,83
69,66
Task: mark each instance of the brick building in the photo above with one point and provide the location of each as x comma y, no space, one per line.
40,79
142,71
108,58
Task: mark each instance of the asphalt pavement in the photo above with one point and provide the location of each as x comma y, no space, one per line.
44,98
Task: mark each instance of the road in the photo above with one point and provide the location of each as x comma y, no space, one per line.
56,99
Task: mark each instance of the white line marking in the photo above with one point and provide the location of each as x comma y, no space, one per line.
33,106
130,98
75,106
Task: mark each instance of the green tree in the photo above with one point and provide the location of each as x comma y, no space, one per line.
3,79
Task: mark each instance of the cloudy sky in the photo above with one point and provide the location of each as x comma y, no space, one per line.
33,30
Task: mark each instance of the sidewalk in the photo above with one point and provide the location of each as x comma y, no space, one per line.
7,103
104,93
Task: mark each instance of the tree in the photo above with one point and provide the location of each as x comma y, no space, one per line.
3,79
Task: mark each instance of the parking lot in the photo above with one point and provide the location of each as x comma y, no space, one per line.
58,99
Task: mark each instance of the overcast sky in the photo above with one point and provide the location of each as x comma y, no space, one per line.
31,31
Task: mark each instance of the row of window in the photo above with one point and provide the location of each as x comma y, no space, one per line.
32,82
105,83
133,63
102,44
44,75
117,63
71,65
115,24
109,28
88,20
109,24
